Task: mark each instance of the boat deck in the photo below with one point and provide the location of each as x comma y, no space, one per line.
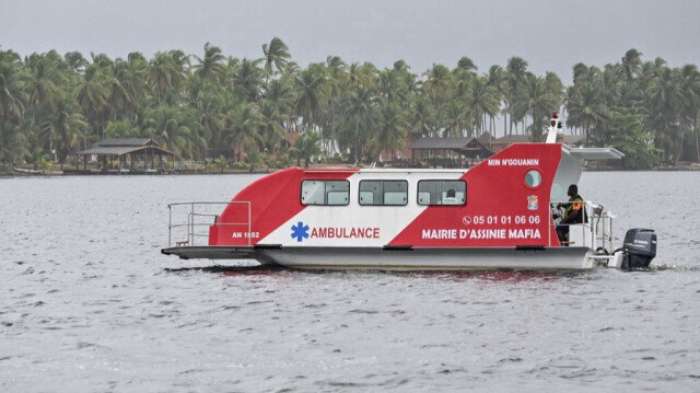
211,252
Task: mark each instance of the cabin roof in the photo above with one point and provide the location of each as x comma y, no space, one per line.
413,170
121,146
122,142
384,170
596,153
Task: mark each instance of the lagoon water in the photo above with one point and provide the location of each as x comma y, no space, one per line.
87,305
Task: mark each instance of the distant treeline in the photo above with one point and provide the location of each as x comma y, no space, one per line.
270,110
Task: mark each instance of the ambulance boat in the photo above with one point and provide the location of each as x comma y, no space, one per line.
499,214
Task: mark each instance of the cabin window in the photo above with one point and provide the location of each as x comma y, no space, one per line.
383,192
325,192
442,192
533,178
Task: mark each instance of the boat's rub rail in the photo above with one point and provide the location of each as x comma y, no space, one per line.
398,247
530,248
253,252
267,246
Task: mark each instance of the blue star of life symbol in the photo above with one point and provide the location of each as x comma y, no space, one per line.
300,231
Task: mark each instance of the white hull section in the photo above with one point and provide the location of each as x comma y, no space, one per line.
328,258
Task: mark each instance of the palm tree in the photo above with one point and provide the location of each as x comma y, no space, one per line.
272,131
457,119
496,79
482,101
243,126
210,105
516,75
248,79
42,82
391,129
160,75
68,124
167,73
337,79
580,71
276,54
211,66
175,127
306,147
120,102
666,100
311,86
281,93
459,113
76,62
437,83
11,95
437,88
585,105
690,112
466,64
12,107
133,77
93,97
359,119
631,63
422,118
543,97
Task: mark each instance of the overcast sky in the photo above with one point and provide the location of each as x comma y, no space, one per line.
550,35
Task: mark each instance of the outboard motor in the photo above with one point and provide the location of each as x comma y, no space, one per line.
638,249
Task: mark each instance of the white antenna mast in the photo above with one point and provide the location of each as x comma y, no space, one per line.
554,127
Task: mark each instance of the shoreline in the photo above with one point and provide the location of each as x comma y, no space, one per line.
4,175
110,174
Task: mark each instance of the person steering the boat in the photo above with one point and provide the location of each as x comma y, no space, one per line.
574,213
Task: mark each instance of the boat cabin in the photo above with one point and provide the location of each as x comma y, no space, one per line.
505,201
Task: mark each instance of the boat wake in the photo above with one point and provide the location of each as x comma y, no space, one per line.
227,269
674,268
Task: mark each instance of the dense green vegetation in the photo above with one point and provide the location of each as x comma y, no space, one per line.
272,111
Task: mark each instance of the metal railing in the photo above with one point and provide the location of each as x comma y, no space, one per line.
596,228
189,222
601,223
